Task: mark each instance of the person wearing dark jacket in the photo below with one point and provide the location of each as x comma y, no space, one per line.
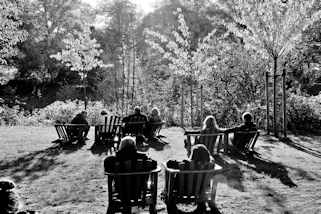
137,116
247,126
80,131
127,152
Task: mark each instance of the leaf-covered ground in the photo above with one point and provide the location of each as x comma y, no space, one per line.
284,178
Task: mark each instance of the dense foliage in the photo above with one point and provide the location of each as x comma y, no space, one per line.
55,50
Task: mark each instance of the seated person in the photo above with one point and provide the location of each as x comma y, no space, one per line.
80,132
200,155
103,115
9,199
137,116
247,126
154,117
127,151
210,126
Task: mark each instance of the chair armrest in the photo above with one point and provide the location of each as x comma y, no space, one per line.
158,169
212,171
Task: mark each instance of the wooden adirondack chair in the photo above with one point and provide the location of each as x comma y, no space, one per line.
245,140
213,142
64,135
134,128
155,128
132,186
109,132
191,183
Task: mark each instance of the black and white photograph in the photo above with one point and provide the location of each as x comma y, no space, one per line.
160,106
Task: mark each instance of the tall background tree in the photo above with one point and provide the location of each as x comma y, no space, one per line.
272,28
81,54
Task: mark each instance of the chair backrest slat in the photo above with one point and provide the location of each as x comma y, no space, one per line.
198,184
245,138
62,132
134,128
192,181
181,183
130,187
211,141
155,127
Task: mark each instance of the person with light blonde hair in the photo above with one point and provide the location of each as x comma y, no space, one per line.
155,115
210,126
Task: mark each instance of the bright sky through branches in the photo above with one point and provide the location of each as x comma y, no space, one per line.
145,5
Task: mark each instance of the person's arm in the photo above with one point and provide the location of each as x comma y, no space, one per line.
125,119
109,164
233,129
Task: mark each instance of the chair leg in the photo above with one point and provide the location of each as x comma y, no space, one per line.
171,208
109,210
212,206
201,208
152,209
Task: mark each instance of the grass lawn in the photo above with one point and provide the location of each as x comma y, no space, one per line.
284,178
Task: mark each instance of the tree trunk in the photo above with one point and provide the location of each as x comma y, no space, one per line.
191,88
128,78
267,102
85,94
123,80
274,96
134,61
182,106
284,103
201,114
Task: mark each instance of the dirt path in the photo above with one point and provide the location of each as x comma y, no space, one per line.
285,178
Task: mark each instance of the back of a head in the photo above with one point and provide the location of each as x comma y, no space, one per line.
84,114
247,117
137,110
209,122
127,144
6,184
103,112
200,154
155,111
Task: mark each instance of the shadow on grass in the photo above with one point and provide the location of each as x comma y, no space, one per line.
157,143
273,198
101,149
33,165
233,177
270,168
301,148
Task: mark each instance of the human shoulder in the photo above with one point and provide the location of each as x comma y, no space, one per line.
109,163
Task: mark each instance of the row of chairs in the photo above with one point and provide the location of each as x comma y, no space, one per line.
111,131
188,184
217,142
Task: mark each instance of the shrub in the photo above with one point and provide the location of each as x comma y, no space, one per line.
9,116
59,111
64,111
304,113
